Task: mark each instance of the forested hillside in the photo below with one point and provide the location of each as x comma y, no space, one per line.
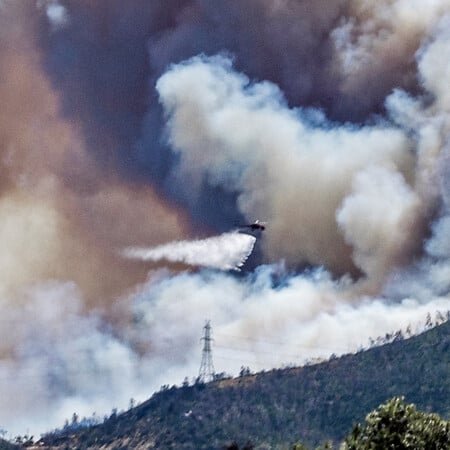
5,445
275,409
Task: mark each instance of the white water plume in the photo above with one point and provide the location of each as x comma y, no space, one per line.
225,252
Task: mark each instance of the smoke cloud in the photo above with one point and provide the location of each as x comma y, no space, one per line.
318,161
146,125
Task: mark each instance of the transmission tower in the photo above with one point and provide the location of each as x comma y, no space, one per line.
206,372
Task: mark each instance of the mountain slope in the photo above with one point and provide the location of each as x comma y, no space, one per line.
274,409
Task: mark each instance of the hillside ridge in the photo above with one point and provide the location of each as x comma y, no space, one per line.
309,404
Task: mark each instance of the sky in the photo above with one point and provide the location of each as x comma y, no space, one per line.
137,137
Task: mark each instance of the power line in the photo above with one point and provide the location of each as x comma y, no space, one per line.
257,352
286,345
271,342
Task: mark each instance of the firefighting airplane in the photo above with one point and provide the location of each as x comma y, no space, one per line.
257,225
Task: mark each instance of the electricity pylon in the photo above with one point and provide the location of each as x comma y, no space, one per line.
206,372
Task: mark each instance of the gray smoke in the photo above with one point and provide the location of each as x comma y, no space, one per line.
335,185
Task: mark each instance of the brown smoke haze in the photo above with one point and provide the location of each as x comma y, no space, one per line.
160,125
64,215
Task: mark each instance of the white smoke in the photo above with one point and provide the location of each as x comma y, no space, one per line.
68,361
377,229
59,355
290,166
267,320
225,252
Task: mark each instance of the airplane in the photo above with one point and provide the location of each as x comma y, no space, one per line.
257,225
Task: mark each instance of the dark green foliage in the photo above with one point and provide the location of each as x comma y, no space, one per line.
299,446
5,445
274,409
396,425
234,446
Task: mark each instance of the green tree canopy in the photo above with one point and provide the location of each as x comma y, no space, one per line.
397,425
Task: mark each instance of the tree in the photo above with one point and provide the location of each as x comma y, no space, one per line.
235,446
245,371
397,425
74,419
299,446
